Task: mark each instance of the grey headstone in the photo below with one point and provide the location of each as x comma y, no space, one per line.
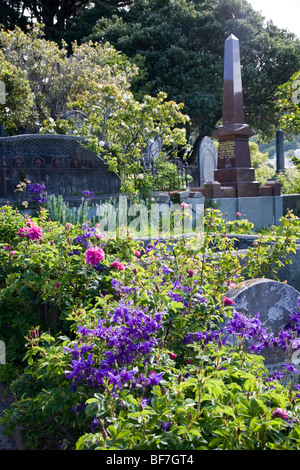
207,160
153,148
275,301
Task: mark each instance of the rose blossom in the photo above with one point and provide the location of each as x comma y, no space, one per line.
279,413
94,255
227,301
117,265
35,233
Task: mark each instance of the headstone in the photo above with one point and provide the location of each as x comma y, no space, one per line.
152,151
207,160
275,301
279,151
234,163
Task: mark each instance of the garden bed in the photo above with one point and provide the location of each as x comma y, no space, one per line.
102,353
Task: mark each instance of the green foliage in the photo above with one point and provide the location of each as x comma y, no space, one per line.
16,106
117,128
52,302
288,103
290,180
56,77
182,44
264,171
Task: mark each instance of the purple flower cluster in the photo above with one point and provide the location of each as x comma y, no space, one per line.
88,236
252,331
88,195
38,192
131,333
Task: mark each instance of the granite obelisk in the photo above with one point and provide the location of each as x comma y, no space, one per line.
234,164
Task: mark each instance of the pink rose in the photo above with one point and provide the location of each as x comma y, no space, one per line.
23,231
279,413
184,205
238,214
117,265
227,302
35,233
94,255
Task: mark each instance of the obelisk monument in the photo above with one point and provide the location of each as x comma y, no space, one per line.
234,165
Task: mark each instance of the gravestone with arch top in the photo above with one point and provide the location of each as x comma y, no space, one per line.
275,302
207,160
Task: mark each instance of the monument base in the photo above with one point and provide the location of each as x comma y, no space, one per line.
240,188
262,211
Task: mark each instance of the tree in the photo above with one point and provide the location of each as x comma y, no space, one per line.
11,16
58,16
55,77
182,45
289,105
264,170
17,99
88,93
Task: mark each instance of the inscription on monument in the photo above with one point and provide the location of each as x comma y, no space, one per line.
226,149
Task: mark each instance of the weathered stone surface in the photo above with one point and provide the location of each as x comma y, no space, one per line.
275,301
207,160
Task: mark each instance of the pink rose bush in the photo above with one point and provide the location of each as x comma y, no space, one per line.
32,231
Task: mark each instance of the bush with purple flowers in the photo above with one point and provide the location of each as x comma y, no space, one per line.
147,357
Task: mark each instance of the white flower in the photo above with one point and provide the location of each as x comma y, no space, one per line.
140,176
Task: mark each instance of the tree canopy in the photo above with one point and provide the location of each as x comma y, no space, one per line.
60,17
289,105
87,93
181,44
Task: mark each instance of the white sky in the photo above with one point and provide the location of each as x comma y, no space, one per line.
284,13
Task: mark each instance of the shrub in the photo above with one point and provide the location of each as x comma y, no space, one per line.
116,345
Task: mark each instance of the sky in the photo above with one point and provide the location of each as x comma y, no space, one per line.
284,13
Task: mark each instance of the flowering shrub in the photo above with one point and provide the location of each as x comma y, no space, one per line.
137,347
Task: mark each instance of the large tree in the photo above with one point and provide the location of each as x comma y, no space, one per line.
181,43
60,17
289,105
16,96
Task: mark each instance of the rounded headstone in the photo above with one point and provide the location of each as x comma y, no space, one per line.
207,160
274,301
